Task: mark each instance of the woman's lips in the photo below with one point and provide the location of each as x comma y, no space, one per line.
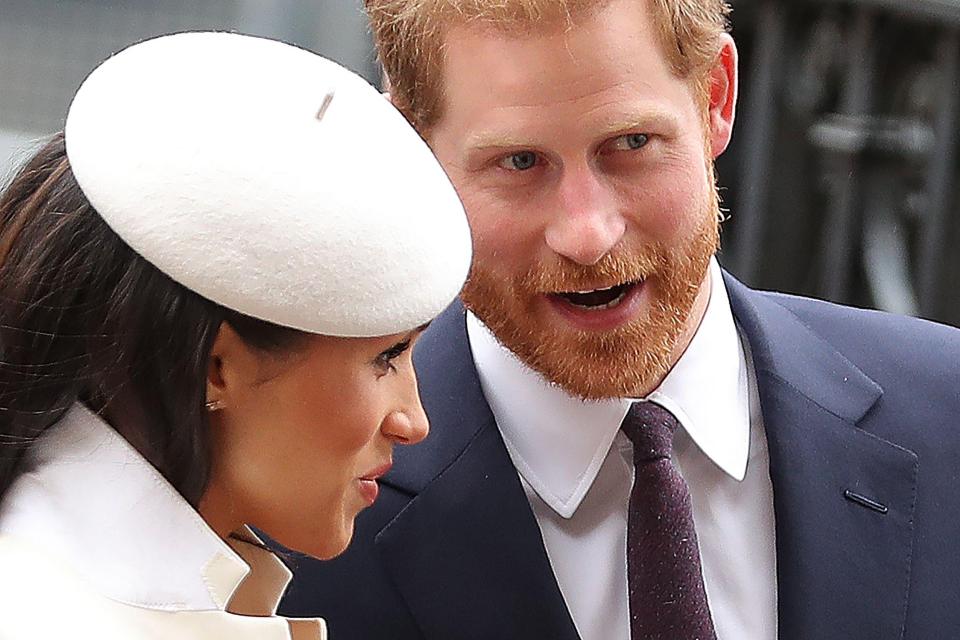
369,489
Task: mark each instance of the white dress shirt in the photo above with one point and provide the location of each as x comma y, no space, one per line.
93,516
577,469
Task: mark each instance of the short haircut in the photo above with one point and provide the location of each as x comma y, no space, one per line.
410,38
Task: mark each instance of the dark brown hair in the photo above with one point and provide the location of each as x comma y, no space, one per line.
84,318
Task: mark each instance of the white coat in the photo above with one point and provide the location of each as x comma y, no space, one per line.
95,543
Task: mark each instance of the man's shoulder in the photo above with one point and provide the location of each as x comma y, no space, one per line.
822,310
914,363
875,337
445,341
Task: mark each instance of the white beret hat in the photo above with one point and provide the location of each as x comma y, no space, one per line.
271,181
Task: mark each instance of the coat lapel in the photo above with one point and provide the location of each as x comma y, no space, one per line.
466,553
843,498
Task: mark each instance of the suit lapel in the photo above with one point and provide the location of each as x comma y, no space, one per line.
843,498
466,552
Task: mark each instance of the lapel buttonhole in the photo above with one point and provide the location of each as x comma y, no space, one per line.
864,501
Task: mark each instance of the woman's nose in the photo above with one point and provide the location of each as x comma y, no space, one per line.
408,424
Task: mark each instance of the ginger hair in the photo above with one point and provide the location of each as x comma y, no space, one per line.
410,39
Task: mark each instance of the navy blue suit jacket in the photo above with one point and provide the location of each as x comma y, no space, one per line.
852,400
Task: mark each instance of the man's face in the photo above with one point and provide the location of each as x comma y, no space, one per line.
584,167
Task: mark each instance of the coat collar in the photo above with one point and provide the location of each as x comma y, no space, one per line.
842,569
69,608
90,499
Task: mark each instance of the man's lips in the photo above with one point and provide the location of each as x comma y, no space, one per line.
599,298
602,309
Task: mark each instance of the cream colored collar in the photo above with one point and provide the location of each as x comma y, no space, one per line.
90,499
558,442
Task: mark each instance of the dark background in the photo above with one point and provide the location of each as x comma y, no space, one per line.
841,178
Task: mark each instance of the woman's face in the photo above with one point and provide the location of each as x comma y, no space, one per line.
302,437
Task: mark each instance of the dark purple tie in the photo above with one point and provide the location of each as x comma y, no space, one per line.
667,598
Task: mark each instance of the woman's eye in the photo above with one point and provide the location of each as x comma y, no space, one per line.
632,141
385,359
386,364
519,161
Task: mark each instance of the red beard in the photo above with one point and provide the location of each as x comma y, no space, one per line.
628,361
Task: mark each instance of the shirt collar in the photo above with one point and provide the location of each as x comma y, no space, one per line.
558,441
89,497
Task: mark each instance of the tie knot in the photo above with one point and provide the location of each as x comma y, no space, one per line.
650,428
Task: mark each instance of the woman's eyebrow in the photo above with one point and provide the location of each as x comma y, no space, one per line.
419,330
408,338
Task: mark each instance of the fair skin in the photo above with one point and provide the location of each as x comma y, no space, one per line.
302,437
584,166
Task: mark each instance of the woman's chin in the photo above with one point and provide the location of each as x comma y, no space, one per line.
321,545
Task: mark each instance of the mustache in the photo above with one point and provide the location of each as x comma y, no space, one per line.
564,275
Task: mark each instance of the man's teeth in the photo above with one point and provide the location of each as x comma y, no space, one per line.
610,305
598,299
595,290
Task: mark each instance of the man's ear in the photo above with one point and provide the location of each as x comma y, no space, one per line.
385,84
723,95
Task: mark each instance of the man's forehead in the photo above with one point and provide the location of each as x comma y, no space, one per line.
515,16
606,61
496,76
576,34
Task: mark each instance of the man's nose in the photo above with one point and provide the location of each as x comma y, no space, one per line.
587,222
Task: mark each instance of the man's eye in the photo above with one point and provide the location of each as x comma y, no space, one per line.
519,161
632,141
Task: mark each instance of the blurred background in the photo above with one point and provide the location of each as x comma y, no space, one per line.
841,182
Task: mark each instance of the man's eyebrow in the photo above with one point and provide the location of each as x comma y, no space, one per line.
652,119
639,123
490,140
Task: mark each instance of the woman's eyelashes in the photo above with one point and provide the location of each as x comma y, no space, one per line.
386,358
